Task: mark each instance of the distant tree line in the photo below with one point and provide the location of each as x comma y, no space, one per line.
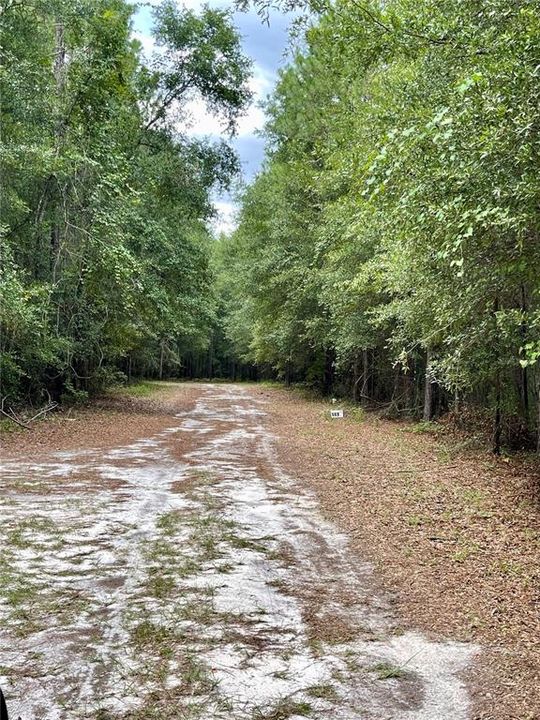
390,246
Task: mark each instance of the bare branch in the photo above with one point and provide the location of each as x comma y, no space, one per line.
11,417
47,409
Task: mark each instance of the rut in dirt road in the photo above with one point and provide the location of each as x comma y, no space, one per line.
186,576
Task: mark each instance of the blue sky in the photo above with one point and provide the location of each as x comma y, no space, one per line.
266,45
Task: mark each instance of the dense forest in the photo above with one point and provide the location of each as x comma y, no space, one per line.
388,250
105,198
390,247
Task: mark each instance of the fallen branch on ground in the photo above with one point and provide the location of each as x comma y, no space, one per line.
10,414
45,410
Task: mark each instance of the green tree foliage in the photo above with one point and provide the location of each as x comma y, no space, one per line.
393,231
105,199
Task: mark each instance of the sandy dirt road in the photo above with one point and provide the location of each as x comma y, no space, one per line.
187,576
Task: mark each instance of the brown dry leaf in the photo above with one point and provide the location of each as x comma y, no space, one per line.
457,540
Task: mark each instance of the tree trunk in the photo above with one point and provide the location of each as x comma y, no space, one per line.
162,350
428,391
397,377
328,379
356,380
365,376
497,429
408,388
59,77
525,389
210,360
524,370
538,419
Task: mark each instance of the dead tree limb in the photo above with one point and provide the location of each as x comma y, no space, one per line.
45,410
10,416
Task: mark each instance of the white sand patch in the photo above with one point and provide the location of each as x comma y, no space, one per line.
242,577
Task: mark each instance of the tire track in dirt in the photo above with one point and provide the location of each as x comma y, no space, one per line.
186,575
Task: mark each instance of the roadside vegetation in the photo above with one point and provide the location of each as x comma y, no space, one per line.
387,252
389,249
105,198
452,530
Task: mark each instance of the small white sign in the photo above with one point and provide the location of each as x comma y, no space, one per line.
336,413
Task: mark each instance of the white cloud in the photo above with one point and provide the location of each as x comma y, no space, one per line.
195,119
201,122
147,41
226,220
204,123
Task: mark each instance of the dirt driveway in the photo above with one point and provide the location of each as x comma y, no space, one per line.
185,575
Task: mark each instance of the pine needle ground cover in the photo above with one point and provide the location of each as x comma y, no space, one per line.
455,537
